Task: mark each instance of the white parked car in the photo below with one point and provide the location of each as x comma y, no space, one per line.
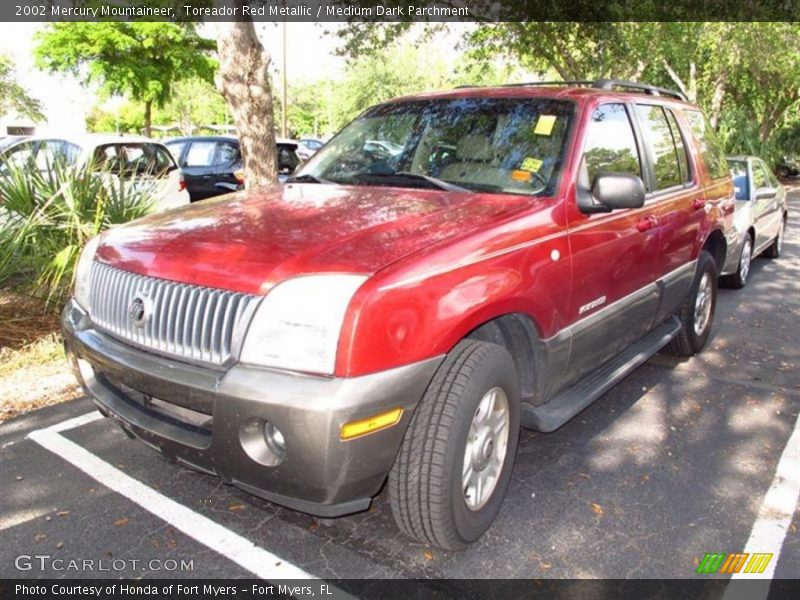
137,159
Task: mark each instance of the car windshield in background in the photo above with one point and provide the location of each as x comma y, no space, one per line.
509,146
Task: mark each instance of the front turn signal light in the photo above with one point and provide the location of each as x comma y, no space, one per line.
372,424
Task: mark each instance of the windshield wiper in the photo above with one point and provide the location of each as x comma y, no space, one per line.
306,178
407,175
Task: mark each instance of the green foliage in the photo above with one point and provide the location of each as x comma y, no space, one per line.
13,97
745,75
48,215
137,59
324,107
194,103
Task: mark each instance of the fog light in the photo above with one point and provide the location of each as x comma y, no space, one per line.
275,439
263,442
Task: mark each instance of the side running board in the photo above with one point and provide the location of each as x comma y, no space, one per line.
573,400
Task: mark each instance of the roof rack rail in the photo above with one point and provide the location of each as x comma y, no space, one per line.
600,84
608,84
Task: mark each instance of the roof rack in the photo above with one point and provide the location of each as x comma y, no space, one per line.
600,84
608,84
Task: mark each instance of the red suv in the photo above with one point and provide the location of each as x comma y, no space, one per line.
448,268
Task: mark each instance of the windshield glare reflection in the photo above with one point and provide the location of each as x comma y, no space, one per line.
509,146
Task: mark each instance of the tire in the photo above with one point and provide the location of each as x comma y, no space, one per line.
738,279
697,313
426,484
774,249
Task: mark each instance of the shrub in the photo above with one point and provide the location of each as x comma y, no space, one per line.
47,215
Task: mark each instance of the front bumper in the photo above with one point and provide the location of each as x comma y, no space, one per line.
214,418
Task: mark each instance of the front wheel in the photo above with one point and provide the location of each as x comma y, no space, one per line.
774,249
454,465
697,313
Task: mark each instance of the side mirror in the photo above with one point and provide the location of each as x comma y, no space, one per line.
765,193
611,191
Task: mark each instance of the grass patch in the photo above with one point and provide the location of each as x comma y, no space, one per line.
41,351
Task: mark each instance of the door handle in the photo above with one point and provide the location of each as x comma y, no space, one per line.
646,223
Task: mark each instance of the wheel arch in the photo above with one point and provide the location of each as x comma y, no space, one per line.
519,334
716,245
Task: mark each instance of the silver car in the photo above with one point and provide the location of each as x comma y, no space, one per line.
759,218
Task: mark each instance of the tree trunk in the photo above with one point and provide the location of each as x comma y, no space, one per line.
690,90
148,117
717,97
243,82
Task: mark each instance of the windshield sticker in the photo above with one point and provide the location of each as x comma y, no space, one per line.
531,164
520,175
545,124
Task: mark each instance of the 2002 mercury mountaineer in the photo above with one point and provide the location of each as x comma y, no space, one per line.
450,267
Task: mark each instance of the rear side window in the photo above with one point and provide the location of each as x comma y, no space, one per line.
610,144
201,154
710,148
657,132
680,147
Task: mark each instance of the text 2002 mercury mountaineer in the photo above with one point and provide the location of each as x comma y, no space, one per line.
448,268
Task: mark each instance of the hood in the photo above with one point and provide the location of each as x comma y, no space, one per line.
249,241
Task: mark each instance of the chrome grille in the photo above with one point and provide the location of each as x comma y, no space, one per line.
191,322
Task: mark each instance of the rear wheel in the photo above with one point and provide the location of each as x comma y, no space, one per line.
774,249
454,465
739,279
697,313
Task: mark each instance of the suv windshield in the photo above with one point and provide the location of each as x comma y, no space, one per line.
496,145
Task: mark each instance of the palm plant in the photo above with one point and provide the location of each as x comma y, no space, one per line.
47,215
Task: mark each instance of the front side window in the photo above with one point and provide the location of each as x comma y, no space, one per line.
176,149
760,179
504,146
710,148
610,144
133,159
741,181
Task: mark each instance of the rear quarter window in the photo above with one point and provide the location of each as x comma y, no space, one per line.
710,148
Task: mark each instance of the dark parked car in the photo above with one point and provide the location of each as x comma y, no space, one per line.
789,167
212,165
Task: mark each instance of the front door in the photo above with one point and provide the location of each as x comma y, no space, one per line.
614,255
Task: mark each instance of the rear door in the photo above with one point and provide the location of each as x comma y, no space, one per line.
199,170
615,255
675,198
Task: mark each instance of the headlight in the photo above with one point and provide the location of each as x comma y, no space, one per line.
83,273
297,325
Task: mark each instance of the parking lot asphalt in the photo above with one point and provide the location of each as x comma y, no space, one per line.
674,462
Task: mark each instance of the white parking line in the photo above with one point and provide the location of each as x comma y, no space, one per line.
774,519
777,508
232,546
